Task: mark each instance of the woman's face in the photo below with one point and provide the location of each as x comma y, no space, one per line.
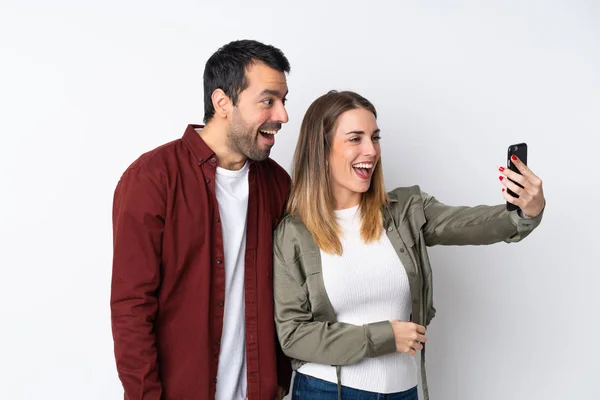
354,154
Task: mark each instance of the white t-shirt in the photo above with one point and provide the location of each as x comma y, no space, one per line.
232,196
366,284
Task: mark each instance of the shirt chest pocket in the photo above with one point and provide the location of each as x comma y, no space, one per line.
411,226
314,287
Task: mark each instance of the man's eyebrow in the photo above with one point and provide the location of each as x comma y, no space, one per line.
272,92
362,132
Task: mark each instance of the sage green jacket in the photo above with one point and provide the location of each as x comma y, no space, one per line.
306,323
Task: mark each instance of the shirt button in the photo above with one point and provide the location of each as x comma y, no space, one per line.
213,160
215,380
219,261
402,250
207,180
200,159
390,229
218,219
220,304
415,301
218,342
413,274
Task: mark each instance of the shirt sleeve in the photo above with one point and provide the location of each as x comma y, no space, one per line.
284,369
479,225
323,342
138,223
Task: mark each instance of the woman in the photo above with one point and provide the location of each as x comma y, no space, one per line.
353,290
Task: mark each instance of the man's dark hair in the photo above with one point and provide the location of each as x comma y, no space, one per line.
226,69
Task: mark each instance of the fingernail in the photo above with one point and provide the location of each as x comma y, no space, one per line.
513,157
501,169
500,177
503,189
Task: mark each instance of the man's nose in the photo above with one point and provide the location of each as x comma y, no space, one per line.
281,114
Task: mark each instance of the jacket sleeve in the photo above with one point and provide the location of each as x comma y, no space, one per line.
330,343
138,222
449,225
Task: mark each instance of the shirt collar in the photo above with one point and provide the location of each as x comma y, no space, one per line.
198,147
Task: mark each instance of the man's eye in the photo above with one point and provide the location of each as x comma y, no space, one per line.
284,101
377,138
268,101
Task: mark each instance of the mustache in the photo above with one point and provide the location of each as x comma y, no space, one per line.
270,127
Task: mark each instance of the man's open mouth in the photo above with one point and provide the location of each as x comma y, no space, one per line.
267,133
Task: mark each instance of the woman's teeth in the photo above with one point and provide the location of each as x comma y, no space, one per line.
363,165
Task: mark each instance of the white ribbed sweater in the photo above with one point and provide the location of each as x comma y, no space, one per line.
367,283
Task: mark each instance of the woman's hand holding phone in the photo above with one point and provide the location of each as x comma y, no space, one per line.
531,199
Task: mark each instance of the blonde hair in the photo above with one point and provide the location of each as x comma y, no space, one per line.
311,199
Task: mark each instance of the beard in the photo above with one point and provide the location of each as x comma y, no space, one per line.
245,139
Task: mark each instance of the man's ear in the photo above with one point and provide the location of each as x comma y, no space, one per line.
221,103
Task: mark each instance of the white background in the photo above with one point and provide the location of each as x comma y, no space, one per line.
86,87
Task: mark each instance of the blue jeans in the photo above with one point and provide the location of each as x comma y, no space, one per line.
309,388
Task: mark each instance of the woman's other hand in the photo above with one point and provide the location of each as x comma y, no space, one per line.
409,337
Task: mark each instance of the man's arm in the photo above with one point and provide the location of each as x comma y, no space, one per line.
138,223
284,372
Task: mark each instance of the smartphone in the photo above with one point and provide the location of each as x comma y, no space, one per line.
519,150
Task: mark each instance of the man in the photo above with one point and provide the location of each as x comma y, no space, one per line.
192,296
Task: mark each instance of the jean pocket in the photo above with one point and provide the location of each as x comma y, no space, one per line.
309,388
